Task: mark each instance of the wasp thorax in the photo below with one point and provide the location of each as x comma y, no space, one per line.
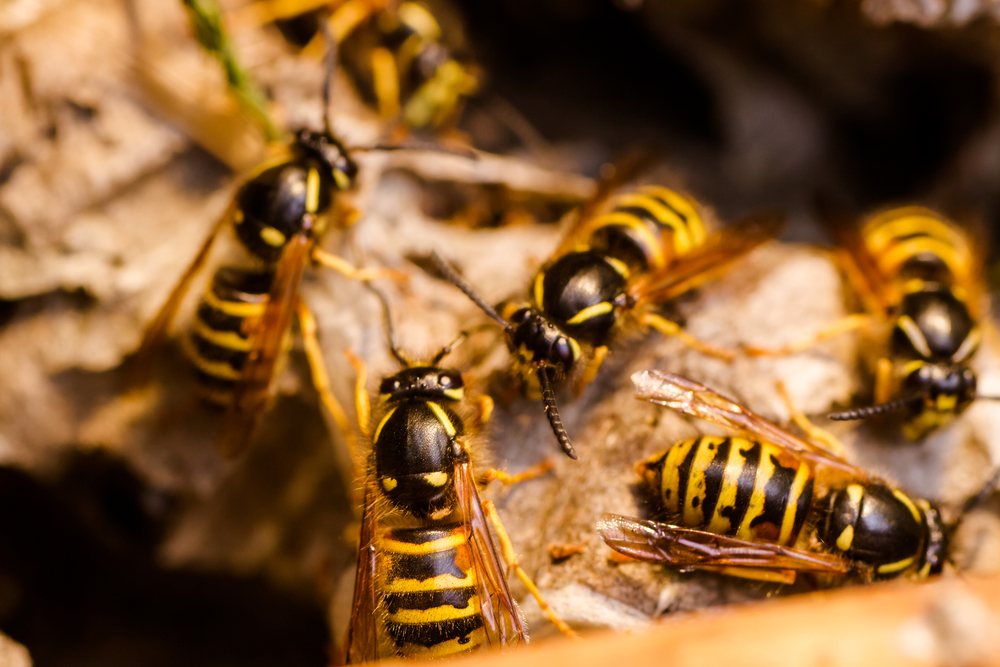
934,324
425,382
537,340
580,292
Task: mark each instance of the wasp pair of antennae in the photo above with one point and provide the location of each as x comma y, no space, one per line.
401,356
890,406
541,369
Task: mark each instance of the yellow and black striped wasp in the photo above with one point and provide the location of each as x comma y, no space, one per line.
278,216
918,277
766,504
435,584
397,54
624,255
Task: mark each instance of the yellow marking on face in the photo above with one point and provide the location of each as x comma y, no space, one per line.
227,339
925,422
648,241
846,538
898,566
670,484
596,310
454,540
388,483
538,290
312,191
968,346
442,416
272,237
691,515
730,485
239,309
378,429
915,335
946,403
455,394
903,498
802,477
435,614
436,478
456,646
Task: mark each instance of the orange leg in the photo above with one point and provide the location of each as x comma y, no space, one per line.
590,372
819,435
361,404
484,408
510,557
883,381
348,270
668,328
843,325
508,479
564,551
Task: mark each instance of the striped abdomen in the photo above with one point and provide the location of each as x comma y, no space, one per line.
743,488
428,591
916,244
647,228
219,340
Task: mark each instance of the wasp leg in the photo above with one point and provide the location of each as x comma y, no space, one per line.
883,381
668,328
510,557
386,82
829,441
484,408
563,551
361,404
507,479
321,381
843,325
590,372
348,270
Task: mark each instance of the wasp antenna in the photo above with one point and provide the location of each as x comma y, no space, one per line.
390,332
458,281
873,410
331,68
446,350
417,145
988,488
552,412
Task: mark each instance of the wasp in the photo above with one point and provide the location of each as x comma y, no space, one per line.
917,275
767,505
397,55
623,256
278,216
434,584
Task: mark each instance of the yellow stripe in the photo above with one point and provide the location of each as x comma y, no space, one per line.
802,476
720,524
442,582
890,261
893,225
219,369
652,245
476,638
596,310
695,516
443,418
227,339
903,498
378,429
670,480
898,566
619,266
664,215
235,308
539,290
765,470
685,206
435,614
312,191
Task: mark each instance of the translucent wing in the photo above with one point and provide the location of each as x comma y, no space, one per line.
501,614
691,398
686,548
156,332
709,261
361,644
253,389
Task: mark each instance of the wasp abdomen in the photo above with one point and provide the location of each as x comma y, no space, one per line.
429,592
218,343
738,487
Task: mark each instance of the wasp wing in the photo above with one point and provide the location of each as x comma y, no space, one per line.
501,614
708,261
156,331
361,644
251,393
696,400
687,548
